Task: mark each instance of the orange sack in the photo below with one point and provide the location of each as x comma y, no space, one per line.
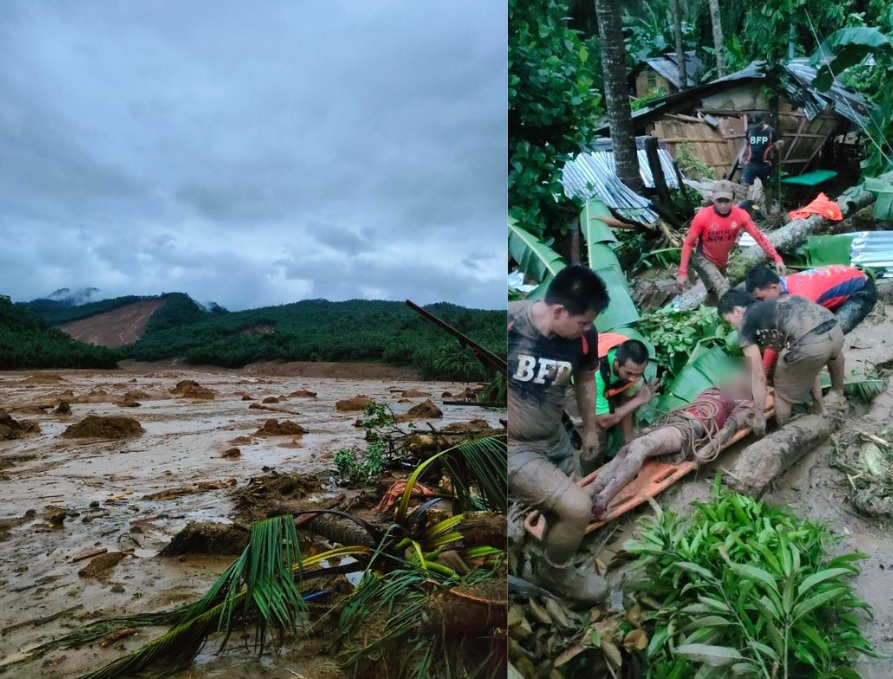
822,205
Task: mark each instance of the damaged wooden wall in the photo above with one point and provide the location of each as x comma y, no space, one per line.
717,146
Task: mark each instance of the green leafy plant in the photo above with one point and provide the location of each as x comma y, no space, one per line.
358,467
675,334
746,589
689,163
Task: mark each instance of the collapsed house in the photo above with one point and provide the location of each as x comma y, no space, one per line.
661,74
710,119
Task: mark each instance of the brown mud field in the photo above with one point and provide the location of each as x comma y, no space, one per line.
813,489
83,520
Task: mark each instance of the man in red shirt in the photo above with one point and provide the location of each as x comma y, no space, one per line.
713,233
843,289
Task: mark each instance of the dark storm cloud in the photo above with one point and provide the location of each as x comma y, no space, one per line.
254,154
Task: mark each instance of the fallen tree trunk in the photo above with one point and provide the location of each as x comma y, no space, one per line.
794,234
764,461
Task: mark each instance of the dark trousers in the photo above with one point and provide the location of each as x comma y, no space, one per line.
852,312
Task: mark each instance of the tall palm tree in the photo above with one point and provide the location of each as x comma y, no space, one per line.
623,136
716,22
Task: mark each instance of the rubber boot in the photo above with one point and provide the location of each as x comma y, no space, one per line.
569,582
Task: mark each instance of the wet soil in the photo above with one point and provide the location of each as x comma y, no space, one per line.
63,497
815,490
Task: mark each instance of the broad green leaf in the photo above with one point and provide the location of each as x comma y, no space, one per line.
745,669
757,575
595,230
596,639
621,311
813,635
844,673
813,602
690,567
821,576
768,651
715,656
706,621
534,258
714,604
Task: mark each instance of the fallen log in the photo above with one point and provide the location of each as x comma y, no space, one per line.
794,234
765,460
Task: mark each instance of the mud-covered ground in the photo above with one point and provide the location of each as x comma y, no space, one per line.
815,490
63,497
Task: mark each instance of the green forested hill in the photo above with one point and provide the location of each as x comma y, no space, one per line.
309,330
319,330
28,342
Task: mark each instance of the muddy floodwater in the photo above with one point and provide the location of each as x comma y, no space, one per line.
62,498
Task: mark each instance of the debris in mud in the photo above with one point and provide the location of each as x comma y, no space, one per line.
128,403
258,406
352,404
136,395
200,487
89,554
869,470
42,378
271,399
119,634
424,411
277,428
231,452
94,426
100,564
246,397
303,393
62,409
207,537
192,389
6,525
13,460
13,429
415,393
263,493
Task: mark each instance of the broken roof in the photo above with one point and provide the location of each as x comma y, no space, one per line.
797,77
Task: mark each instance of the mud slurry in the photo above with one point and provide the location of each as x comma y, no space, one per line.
65,497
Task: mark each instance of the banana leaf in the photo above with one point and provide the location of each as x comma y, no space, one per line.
594,229
621,311
825,250
858,386
536,259
844,48
706,368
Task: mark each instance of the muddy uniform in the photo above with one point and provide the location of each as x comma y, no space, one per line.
712,236
842,288
805,335
759,144
540,368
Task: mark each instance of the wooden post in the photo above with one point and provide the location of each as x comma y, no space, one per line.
657,173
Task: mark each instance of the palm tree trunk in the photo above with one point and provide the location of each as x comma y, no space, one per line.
623,136
717,38
680,47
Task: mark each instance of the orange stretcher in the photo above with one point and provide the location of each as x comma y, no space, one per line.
653,479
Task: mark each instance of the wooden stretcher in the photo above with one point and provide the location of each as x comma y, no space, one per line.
653,479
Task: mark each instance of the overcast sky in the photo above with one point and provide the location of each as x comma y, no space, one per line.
254,153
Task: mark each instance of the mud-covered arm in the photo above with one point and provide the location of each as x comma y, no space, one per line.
762,241
740,418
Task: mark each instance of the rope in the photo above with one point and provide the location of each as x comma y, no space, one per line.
698,425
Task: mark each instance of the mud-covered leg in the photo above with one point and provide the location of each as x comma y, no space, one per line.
607,471
659,442
782,410
710,275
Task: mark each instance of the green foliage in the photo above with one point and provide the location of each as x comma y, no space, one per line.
650,32
27,342
689,164
454,362
552,108
319,330
55,313
358,468
179,309
748,587
675,334
496,390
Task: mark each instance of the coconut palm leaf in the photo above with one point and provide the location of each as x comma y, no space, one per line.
536,259
259,585
859,386
478,464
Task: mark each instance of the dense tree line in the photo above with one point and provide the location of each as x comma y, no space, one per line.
310,330
319,330
28,342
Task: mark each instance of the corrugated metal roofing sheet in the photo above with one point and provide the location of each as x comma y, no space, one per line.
873,249
594,175
668,66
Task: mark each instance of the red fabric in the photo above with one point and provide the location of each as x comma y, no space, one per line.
829,286
822,205
715,236
724,406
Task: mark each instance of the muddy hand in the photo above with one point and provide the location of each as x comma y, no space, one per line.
647,391
681,283
759,426
591,444
780,268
